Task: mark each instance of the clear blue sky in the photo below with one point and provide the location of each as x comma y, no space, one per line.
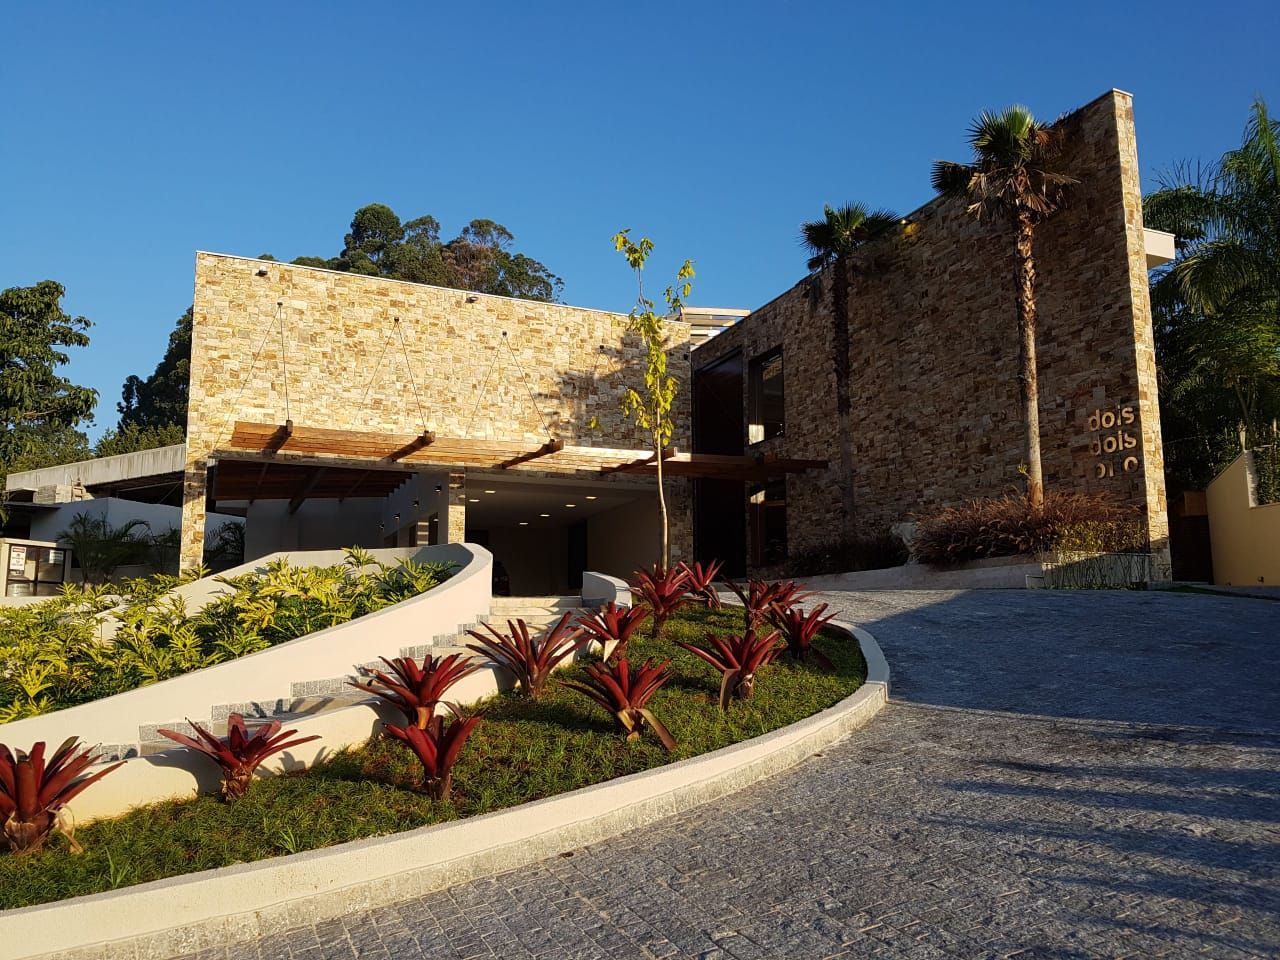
138,133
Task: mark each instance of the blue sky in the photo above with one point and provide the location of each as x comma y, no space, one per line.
138,133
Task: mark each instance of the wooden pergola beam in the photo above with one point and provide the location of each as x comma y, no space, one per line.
279,438
425,439
257,486
304,491
355,486
632,465
548,448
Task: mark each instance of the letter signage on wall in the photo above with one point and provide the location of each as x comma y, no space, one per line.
1114,441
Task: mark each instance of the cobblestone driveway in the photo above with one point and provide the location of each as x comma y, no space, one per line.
1058,775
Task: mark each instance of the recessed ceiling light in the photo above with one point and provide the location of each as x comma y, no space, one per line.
491,491
473,500
570,505
591,496
544,514
524,523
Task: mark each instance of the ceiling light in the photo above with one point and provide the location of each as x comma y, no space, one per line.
544,514
591,496
524,523
473,500
491,491
570,505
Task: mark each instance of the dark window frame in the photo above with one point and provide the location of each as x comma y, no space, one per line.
767,504
765,420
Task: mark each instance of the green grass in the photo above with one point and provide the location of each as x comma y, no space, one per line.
522,751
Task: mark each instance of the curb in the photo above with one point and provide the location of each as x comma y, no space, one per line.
214,908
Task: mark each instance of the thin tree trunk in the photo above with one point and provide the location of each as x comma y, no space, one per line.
1028,377
662,510
841,366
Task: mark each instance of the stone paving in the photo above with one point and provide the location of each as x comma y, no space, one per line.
1058,775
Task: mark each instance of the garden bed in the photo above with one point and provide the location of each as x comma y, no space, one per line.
522,751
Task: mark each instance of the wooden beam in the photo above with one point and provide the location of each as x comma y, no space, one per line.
304,491
280,437
355,486
550,447
257,486
632,465
425,439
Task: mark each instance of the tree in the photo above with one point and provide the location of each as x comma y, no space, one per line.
1015,177
1217,306
102,548
130,438
831,242
160,401
651,407
39,408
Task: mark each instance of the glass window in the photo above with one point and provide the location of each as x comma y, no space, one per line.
766,397
769,523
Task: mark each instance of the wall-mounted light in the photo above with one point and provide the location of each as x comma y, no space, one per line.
262,272
472,298
439,488
415,504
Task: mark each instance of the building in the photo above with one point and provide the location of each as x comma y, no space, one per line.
330,409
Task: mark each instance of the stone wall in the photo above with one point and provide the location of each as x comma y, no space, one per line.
933,355
458,363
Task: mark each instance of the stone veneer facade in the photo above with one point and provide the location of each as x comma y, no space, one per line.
465,379
933,356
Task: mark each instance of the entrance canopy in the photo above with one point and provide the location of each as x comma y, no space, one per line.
429,449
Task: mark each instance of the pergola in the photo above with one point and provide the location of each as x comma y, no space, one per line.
368,463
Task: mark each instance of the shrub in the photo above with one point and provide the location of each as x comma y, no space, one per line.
1266,462
238,754
33,792
799,629
531,659
624,691
1008,526
612,626
738,657
700,582
759,597
437,746
859,552
665,591
417,690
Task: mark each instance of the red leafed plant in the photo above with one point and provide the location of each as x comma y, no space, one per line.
700,582
612,626
437,746
33,792
799,628
417,690
760,596
238,753
738,658
529,657
624,691
665,591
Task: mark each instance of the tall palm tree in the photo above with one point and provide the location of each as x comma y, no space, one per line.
831,242
1218,305
1015,177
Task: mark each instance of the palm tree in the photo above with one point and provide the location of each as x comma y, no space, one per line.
1217,306
102,548
832,241
1014,177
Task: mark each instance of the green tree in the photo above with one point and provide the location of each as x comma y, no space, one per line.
102,548
650,408
130,438
39,408
832,242
160,401
1217,306
1016,177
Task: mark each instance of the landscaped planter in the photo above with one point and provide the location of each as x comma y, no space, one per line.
1094,571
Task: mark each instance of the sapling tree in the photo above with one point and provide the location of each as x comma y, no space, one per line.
650,408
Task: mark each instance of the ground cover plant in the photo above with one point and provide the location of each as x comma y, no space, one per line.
523,750
52,655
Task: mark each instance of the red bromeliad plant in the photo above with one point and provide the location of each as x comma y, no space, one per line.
437,746
738,658
624,691
665,591
530,658
760,596
238,753
417,690
799,628
34,792
700,582
612,626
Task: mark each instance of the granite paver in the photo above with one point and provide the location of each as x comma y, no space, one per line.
1057,775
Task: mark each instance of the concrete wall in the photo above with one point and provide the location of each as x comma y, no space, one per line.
625,539
575,362
933,355
1245,537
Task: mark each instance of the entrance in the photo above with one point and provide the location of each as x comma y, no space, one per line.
719,506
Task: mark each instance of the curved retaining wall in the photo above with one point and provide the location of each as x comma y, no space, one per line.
184,914
269,674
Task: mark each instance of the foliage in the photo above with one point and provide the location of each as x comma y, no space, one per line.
650,408
1015,176
759,597
665,590
624,691
153,411
525,750
873,551
738,657
1217,306
1008,526
701,581
799,629
130,438
437,746
417,690
1266,462
842,231
33,792
530,658
102,548
612,626
51,654
238,754
39,408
